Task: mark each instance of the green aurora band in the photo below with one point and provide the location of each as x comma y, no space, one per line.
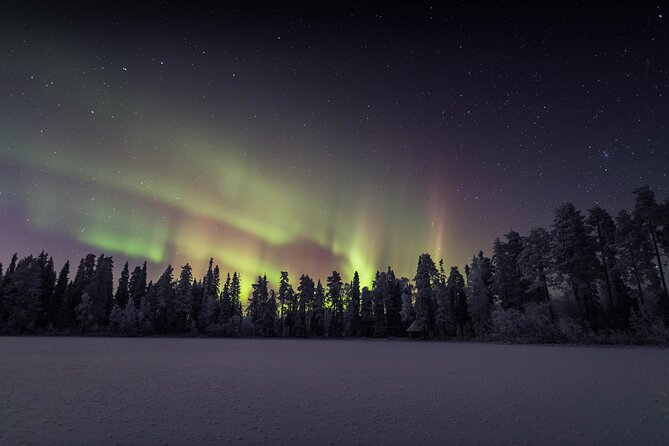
147,185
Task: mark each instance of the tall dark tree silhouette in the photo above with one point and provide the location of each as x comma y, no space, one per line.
334,285
318,314
650,215
137,285
575,259
509,282
166,309
287,303
426,274
535,262
21,296
458,296
603,230
257,307
305,297
122,293
367,312
353,306
379,304
59,295
183,297
226,303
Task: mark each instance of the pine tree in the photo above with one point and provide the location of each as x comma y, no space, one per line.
47,283
235,295
509,283
305,297
149,307
392,297
458,297
318,314
257,305
22,295
137,285
649,214
83,277
442,311
353,306
367,312
603,229
166,311
226,304
479,303
196,292
633,260
334,285
575,259
209,312
408,313
535,262
269,316
379,305
426,274
183,297
59,295
100,290
288,304
122,293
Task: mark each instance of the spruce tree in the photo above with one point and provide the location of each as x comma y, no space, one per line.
649,214
305,297
603,229
334,285
288,304
458,296
575,260
367,313
137,285
440,302
100,290
209,312
235,295
393,303
226,304
82,278
353,306
379,304
22,296
509,282
426,274
408,314
59,295
256,308
183,297
122,294
318,313
166,309
535,262
269,315
47,283
479,304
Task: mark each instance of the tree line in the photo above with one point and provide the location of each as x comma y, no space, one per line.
588,277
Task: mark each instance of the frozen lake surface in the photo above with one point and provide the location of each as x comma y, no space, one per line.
318,392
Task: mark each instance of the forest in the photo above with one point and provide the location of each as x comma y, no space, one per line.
588,278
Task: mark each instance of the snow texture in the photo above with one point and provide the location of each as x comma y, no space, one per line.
247,391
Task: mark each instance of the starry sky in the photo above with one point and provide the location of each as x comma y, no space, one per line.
341,136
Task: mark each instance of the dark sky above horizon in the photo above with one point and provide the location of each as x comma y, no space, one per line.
333,137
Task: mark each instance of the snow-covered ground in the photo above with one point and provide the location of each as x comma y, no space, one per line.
240,391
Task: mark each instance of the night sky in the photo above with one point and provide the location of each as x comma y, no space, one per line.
338,137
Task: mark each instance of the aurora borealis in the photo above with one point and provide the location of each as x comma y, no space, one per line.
348,138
